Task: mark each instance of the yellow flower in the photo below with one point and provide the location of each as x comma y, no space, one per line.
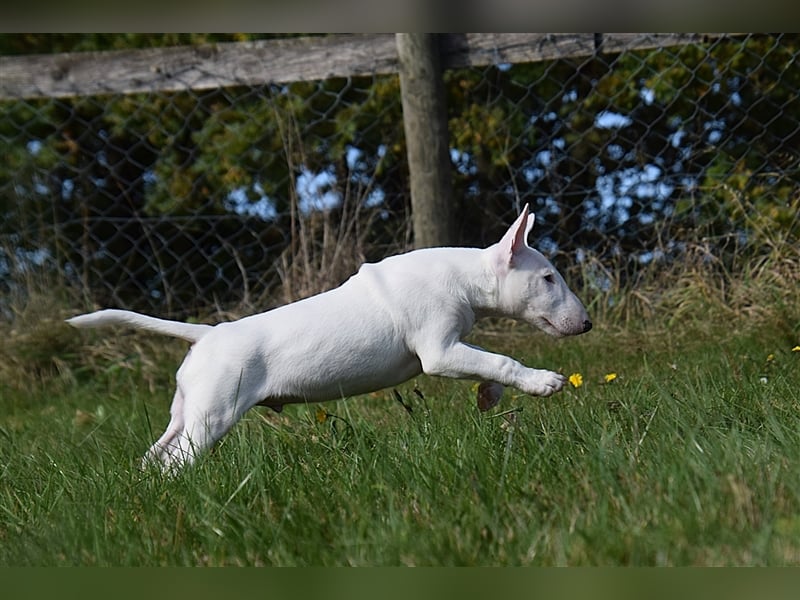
770,357
610,377
576,379
321,415
796,349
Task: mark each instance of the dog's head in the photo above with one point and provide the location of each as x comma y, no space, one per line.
530,288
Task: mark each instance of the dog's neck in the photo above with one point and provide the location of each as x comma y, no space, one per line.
482,286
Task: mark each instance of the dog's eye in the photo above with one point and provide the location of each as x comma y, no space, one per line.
549,278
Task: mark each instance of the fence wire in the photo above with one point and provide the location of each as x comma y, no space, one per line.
181,202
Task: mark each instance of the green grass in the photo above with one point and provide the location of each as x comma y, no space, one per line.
690,457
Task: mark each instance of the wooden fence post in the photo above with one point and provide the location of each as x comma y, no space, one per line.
427,141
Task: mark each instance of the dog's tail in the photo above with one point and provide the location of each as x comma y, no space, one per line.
190,332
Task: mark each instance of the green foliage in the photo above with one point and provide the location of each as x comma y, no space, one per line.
117,188
686,458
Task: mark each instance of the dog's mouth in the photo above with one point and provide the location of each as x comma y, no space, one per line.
549,328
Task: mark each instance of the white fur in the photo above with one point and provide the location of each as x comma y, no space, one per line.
391,321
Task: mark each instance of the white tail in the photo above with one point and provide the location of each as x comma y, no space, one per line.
190,332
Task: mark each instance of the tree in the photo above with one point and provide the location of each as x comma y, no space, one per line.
628,156
171,194
622,154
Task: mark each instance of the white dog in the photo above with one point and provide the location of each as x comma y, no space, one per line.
393,320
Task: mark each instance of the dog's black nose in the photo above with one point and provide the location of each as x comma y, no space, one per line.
587,325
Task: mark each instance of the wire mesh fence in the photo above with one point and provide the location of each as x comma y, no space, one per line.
249,194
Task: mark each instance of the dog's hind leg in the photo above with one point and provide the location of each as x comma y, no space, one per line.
201,423
161,450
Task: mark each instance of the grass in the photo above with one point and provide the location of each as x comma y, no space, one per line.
689,457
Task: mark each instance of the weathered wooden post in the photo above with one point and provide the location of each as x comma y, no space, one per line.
427,141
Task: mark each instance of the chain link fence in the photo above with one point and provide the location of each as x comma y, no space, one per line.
204,198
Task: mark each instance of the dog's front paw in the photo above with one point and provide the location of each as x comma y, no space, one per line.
489,394
545,383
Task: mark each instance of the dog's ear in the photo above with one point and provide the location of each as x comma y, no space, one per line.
529,226
515,239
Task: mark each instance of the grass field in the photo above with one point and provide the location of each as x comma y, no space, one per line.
690,456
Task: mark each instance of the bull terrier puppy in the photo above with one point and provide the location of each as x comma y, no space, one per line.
392,320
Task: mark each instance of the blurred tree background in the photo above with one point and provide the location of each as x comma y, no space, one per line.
172,202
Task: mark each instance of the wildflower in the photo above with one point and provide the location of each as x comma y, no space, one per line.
610,377
763,380
796,349
770,357
321,415
576,379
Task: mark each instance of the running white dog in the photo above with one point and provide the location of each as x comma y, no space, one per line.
393,320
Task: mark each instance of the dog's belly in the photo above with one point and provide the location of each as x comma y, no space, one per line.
322,386
315,351
337,373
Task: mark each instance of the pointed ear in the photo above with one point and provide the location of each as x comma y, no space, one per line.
529,226
515,239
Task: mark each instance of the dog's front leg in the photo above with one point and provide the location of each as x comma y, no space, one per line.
460,360
489,394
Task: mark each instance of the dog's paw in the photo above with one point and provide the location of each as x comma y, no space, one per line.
489,394
545,383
